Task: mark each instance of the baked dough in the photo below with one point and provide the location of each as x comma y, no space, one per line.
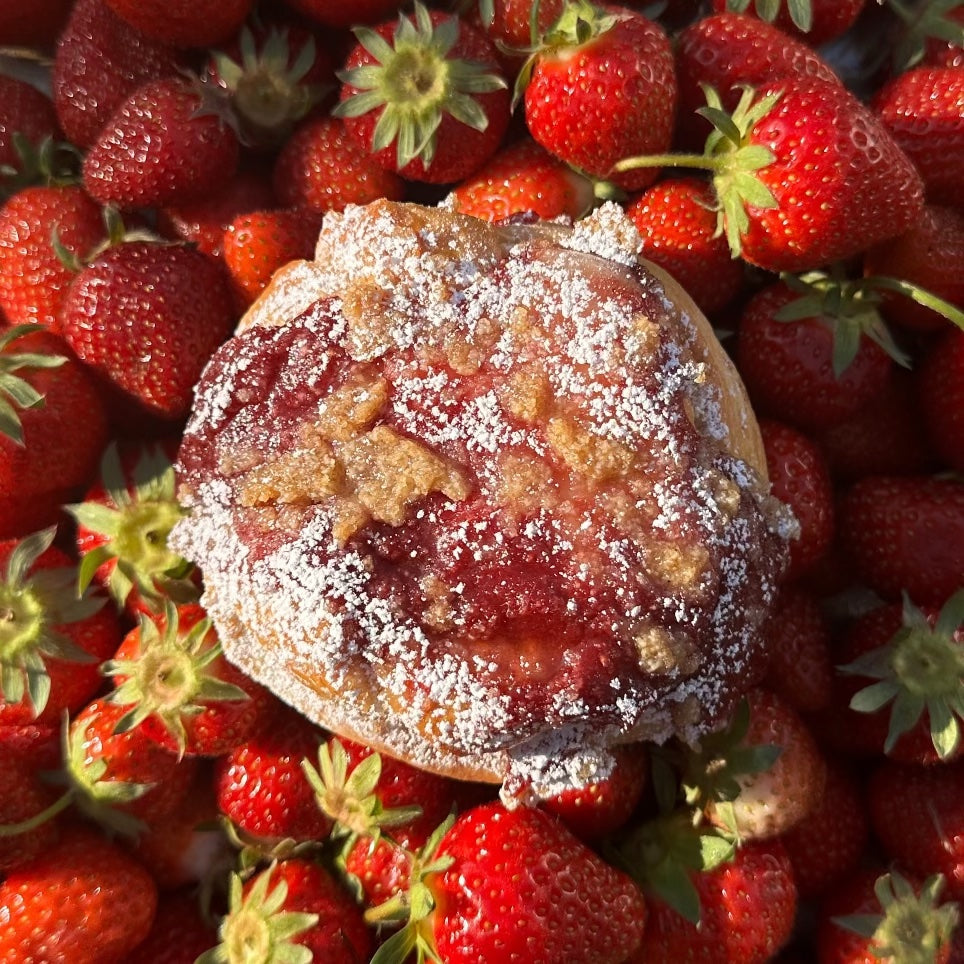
489,498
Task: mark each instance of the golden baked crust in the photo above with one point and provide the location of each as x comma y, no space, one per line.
490,498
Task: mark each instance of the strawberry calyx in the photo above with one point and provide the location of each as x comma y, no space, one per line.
920,668
15,392
135,530
257,928
32,605
115,233
169,677
912,927
49,162
253,851
800,11
922,22
415,83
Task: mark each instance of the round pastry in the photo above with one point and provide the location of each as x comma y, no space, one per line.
490,498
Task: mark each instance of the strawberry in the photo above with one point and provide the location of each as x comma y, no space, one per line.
519,179
261,786
321,168
147,317
748,905
923,109
184,23
53,426
813,21
800,478
257,244
906,534
160,146
601,86
940,389
944,43
509,22
101,60
424,96
873,915
917,813
292,911
678,229
813,351
179,934
170,674
27,119
34,271
102,901
797,203
916,658
50,641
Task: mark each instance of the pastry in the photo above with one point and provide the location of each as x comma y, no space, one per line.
490,498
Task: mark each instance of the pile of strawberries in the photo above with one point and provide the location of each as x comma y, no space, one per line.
798,166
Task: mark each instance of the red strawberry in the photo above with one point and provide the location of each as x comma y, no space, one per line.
160,147
147,317
800,478
27,119
678,229
321,168
34,275
184,23
295,904
257,244
102,901
923,109
814,21
171,676
813,352
509,22
180,932
602,87
523,178
100,61
906,534
940,389
748,906
49,448
51,642
429,102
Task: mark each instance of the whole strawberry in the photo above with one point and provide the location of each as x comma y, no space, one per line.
602,87
160,147
147,317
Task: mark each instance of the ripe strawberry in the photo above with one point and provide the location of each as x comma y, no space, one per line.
184,23
101,60
874,915
170,674
102,901
813,21
813,351
50,641
678,228
424,96
748,906
800,478
923,109
601,86
906,534
27,119
940,389
292,911
509,22
261,786
257,244
519,179
147,317
160,147
53,426
179,934
321,168
797,203
34,274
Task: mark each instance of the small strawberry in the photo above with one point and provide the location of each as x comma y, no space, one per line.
170,674
101,60
102,901
160,147
424,96
184,23
523,178
678,229
601,86
905,534
146,317
509,22
292,911
813,21
940,389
